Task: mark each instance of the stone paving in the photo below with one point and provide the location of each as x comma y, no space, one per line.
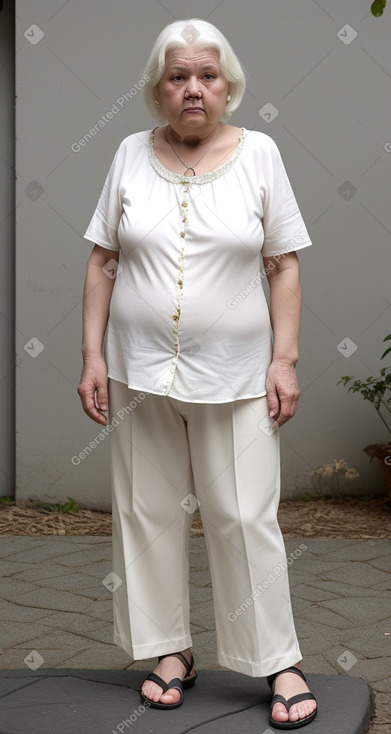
55,611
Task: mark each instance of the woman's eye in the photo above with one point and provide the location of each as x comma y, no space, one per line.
177,78
209,76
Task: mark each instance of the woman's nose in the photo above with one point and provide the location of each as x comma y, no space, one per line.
193,87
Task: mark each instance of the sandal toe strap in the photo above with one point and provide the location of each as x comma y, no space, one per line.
174,683
277,698
300,697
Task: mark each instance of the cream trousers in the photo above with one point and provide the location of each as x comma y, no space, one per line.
167,458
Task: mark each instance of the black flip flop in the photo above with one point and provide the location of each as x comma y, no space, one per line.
187,682
290,702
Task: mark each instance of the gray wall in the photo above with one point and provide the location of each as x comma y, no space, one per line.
332,93
7,240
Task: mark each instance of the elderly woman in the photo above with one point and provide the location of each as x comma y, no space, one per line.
197,374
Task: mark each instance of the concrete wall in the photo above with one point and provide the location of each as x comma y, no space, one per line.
326,68
7,240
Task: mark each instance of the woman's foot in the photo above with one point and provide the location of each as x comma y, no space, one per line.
168,668
288,685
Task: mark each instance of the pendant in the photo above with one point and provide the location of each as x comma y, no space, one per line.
189,172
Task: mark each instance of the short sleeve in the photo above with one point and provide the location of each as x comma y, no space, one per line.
283,224
103,227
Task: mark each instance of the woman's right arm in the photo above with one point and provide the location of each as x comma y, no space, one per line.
98,287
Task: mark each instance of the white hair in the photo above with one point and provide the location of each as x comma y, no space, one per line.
204,34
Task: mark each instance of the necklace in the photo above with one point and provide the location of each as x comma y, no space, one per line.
190,169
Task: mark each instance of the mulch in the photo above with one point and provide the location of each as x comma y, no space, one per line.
323,517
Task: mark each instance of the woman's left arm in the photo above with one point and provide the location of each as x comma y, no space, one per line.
282,389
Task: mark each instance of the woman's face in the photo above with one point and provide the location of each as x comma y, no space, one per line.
192,91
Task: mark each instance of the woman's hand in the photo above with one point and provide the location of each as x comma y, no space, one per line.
93,388
282,391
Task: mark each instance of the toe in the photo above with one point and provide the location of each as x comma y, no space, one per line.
301,710
279,712
152,691
170,696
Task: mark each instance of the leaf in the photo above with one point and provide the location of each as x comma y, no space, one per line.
5,500
70,506
377,7
386,352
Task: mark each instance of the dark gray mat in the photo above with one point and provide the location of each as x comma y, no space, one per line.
108,702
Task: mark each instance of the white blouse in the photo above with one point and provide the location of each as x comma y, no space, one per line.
188,314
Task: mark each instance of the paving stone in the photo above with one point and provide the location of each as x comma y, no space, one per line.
205,640
384,686
72,622
342,589
92,540
332,615
325,617
9,611
60,639
10,544
203,616
317,664
102,634
99,569
99,656
321,547
10,568
19,633
51,548
384,705
13,658
383,563
367,643
313,593
316,568
297,603
200,594
361,550
357,574
385,585
357,610
87,557
76,582
102,609
201,578
194,628
342,659
45,570
46,598
11,588
313,645
309,628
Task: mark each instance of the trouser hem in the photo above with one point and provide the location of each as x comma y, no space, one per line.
143,652
262,669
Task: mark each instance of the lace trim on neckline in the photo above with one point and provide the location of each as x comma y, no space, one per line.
200,178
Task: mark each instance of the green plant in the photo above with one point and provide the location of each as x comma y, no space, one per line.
377,7
4,500
374,388
69,506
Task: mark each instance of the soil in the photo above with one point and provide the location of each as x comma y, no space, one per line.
324,517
